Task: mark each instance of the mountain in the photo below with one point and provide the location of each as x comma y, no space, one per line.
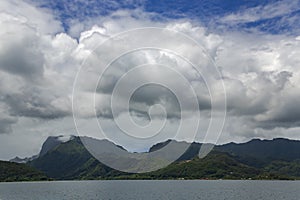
261,152
256,159
255,152
159,146
23,160
216,165
69,161
50,143
19,172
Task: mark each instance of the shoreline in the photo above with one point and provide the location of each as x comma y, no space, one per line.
202,180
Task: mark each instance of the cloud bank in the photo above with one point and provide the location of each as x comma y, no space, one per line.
39,62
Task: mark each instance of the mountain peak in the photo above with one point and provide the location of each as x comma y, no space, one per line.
53,141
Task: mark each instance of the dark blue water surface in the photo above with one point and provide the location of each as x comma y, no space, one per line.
136,190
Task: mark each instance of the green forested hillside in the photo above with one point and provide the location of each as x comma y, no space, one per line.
71,160
19,172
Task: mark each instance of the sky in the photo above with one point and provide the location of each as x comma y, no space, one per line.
54,80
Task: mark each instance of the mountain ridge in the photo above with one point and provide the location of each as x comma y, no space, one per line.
54,140
71,161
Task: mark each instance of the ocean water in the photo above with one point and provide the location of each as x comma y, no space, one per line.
138,190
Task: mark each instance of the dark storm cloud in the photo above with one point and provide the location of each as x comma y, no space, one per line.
36,104
22,58
286,113
149,95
